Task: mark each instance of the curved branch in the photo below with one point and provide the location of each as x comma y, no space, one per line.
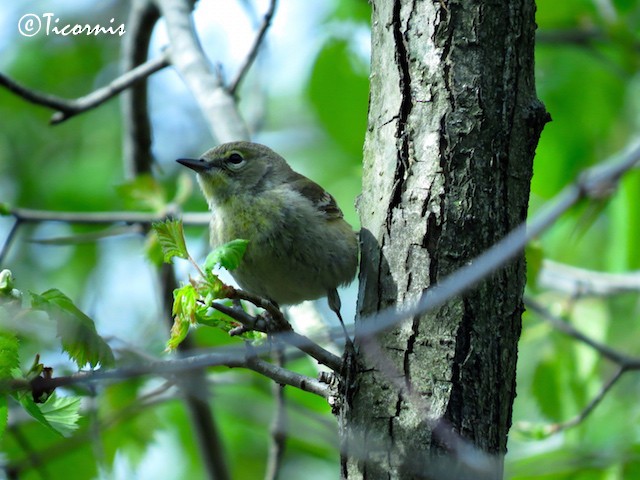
68,108
217,104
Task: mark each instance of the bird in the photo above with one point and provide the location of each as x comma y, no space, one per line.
299,245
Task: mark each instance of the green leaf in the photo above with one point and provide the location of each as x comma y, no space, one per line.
228,256
339,92
179,331
144,192
8,354
62,413
75,329
5,209
184,314
171,237
153,250
58,414
184,302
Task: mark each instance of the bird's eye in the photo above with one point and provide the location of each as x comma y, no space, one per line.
235,158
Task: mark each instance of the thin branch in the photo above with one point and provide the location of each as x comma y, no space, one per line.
579,282
625,361
147,218
67,108
556,427
9,240
286,335
217,105
266,23
245,359
287,377
141,72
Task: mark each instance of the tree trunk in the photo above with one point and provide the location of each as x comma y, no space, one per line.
453,126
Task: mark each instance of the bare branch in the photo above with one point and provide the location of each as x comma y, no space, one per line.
217,105
29,215
67,108
232,358
284,333
266,23
579,282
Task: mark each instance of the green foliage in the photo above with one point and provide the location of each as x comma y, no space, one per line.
192,302
76,330
338,90
171,238
227,256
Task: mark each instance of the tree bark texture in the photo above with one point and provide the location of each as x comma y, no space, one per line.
453,125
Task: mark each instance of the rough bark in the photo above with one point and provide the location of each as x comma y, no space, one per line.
453,126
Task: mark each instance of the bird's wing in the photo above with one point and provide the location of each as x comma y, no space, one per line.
318,196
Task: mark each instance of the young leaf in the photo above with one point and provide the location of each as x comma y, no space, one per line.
62,413
179,331
184,302
153,250
6,286
171,237
184,314
75,329
228,256
58,414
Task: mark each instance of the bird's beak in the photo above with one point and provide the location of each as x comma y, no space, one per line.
199,165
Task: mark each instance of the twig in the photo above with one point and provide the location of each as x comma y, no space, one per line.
217,105
67,108
266,23
556,427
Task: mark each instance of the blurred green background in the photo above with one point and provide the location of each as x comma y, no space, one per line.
307,98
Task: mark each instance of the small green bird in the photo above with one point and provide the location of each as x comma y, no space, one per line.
300,247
